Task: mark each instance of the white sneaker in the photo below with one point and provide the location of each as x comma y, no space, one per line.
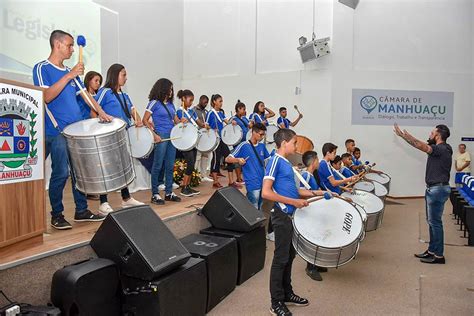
162,187
175,186
271,236
131,202
105,209
207,179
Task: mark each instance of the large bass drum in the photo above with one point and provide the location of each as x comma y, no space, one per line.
100,155
327,233
373,206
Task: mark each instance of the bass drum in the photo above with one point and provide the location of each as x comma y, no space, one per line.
327,233
232,135
373,206
208,140
184,136
141,141
100,155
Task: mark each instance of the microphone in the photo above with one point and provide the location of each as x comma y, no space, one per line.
81,42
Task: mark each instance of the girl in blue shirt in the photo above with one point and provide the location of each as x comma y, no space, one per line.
259,115
163,114
92,82
117,104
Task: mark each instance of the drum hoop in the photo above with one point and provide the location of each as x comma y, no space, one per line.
100,135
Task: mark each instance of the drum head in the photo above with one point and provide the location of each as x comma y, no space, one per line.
186,136
382,178
231,134
380,189
364,186
208,140
371,203
93,127
330,223
141,141
271,130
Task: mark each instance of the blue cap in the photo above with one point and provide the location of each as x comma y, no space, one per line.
81,40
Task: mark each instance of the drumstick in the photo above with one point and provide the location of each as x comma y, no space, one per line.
171,138
296,108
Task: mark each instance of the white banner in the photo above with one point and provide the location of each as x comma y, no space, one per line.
21,134
406,107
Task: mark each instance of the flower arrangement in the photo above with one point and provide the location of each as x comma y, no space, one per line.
178,173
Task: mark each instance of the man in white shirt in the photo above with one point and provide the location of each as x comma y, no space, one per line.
462,163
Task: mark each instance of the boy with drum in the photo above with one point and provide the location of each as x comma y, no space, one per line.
283,122
325,172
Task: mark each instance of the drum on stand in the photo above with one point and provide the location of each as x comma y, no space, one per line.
100,155
208,140
327,233
380,190
271,130
367,186
232,134
184,136
141,141
373,207
382,178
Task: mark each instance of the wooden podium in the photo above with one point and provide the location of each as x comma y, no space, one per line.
22,191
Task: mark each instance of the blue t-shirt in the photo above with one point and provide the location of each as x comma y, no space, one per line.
258,118
163,121
215,121
325,172
65,108
285,121
310,179
346,172
280,170
253,170
85,109
190,115
356,162
243,122
111,105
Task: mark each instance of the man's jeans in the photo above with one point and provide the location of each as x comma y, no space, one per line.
255,198
435,198
57,148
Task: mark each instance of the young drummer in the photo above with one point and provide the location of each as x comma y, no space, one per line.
259,115
279,186
328,179
251,155
283,122
346,165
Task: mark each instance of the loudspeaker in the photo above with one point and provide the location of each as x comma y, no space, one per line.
251,248
181,292
87,288
138,241
229,209
350,3
220,255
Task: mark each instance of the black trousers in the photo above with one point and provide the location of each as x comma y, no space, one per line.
280,273
190,158
218,154
124,192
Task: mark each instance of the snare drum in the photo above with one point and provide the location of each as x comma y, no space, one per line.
208,140
365,186
271,130
327,233
232,134
373,207
141,141
382,178
186,135
380,190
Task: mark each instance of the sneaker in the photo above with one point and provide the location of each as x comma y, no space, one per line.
105,209
88,216
156,199
322,269
195,192
271,236
295,300
280,309
172,197
186,191
162,187
131,202
59,222
314,274
175,186
206,179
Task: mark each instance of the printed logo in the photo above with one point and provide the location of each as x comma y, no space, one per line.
368,103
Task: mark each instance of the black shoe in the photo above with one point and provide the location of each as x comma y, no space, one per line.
425,254
195,192
313,273
295,300
156,199
172,197
433,260
280,309
186,191
322,269
59,222
88,216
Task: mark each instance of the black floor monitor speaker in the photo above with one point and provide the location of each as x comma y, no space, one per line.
138,241
251,247
220,255
88,287
229,209
181,292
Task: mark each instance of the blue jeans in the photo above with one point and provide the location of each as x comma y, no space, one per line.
255,197
57,148
435,198
164,157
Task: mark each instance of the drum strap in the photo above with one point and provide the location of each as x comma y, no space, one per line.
217,115
338,173
190,118
256,154
169,113
123,103
302,180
